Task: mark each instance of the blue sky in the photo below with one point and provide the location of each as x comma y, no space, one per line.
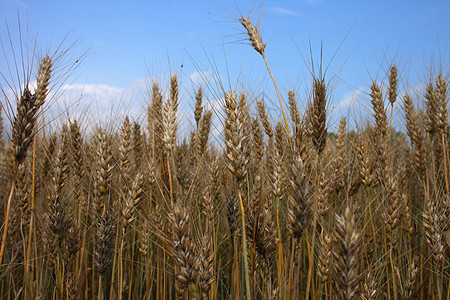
129,41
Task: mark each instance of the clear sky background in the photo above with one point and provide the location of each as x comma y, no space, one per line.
131,42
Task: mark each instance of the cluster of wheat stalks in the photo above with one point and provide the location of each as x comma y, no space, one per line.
271,213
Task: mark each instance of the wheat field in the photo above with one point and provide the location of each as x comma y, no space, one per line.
274,209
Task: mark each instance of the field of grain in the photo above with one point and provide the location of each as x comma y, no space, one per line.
273,209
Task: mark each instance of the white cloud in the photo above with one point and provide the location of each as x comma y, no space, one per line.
95,97
285,11
105,105
348,107
93,88
94,105
350,99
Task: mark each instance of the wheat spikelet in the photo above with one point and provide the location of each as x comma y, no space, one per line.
151,173
232,215
370,288
432,230
267,240
43,80
264,118
318,117
185,258
206,266
104,242
379,110
406,215
254,212
393,85
77,164
346,253
341,161
156,119
183,173
208,207
51,245
23,193
170,116
57,218
203,134
298,126
431,110
193,147
298,199
236,138
72,240
215,180
20,214
414,130
382,168
254,35
63,167
72,288
260,225
363,156
276,178
326,188
132,201
138,147
23,128
445,215
441,105
198,106
27,108
293,109
308,118
245,124
103,173
413,271
49,150
280,139
125,151
393,204
144,241
325,257
158,222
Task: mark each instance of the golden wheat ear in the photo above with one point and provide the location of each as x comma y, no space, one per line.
24,129
185,256
346,254
319,115
198,106
203,132
27,109
104,243
393,85
253,35
170,116
370,288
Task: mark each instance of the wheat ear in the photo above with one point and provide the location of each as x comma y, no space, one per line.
256,40
346,252
23,130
